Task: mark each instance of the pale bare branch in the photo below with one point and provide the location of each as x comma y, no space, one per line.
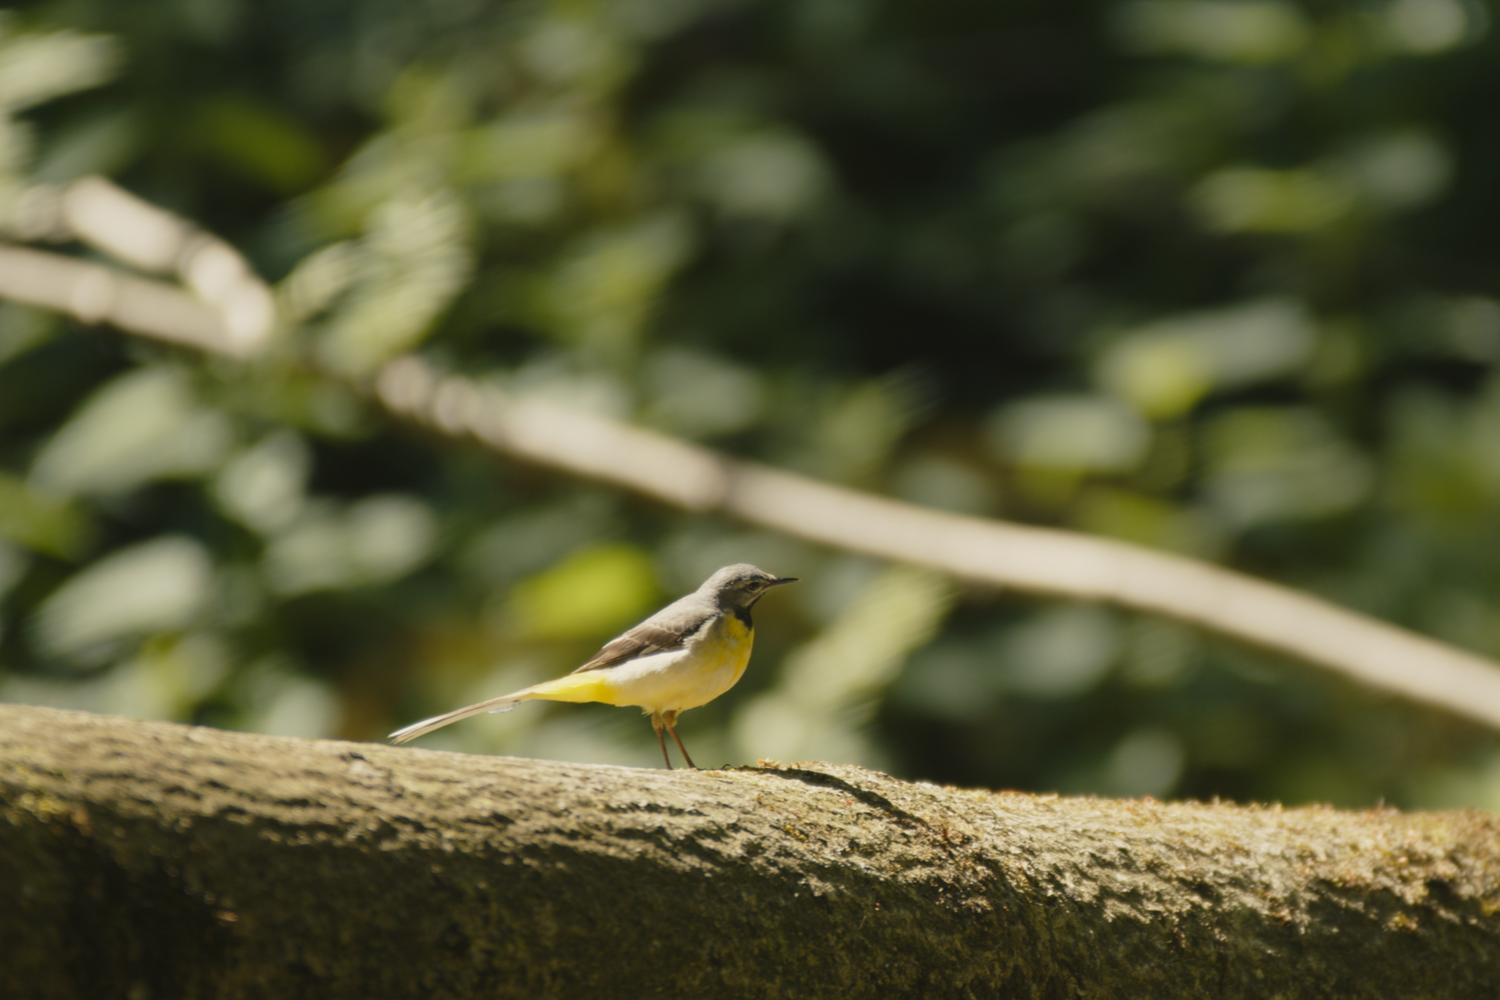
229,309
93,293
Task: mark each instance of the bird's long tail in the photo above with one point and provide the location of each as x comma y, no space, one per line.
574,687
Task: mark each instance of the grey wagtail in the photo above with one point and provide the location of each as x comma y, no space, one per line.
685,655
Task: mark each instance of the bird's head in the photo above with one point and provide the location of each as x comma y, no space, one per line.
741,585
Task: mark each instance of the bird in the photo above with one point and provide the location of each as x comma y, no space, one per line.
684,656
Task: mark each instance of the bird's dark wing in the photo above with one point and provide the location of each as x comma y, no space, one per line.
643,640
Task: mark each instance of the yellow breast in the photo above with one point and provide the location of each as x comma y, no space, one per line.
735,650
715,663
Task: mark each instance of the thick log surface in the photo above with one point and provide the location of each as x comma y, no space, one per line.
152,860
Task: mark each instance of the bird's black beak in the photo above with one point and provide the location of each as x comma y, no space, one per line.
783,579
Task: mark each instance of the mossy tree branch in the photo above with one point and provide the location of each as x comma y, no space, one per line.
152,859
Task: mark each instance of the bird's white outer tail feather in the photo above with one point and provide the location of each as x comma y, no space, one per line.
502,704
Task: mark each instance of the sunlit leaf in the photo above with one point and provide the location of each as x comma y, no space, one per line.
156,586
415,262
39,67
143,425
42,521
596,589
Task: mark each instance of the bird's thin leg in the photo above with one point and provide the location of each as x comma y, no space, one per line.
685,756
657,725
670,721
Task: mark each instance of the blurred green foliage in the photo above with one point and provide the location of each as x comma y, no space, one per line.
1216,276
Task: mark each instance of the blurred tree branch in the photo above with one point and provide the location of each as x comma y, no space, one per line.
157,859
225,309
222,307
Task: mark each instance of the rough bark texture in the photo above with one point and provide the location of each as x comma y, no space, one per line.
155,860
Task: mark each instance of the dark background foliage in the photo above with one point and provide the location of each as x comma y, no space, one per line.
1215,276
